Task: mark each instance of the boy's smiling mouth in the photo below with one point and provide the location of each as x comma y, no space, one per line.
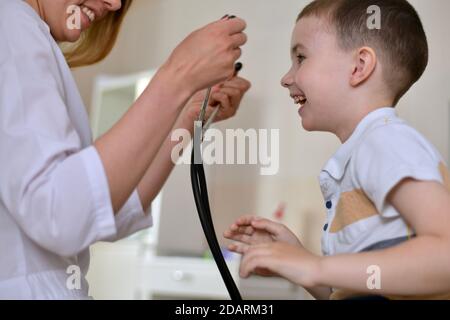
299,99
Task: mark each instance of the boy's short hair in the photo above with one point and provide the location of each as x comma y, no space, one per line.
401,43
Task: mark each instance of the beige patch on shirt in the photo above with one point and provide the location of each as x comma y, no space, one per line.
353,206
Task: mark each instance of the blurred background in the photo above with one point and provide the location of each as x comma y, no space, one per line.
171,260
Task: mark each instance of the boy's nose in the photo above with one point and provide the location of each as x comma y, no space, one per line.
286,81
113,5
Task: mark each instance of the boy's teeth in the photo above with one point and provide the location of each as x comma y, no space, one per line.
300,99
89,13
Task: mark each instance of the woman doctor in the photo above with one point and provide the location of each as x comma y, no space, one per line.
60,192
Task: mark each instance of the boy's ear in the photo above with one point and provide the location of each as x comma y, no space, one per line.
365,62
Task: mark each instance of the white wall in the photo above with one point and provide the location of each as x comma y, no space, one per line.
154,27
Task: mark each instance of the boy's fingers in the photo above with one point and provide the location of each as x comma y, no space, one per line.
227,234
238,248
235,227
246,230
235,230
258,265
241,238
264,272
254,258
245,220
267,225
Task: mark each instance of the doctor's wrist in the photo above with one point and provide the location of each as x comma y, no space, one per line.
172,86
178,78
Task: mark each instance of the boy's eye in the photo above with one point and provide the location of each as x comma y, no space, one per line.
300,58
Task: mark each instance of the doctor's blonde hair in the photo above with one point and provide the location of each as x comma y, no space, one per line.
96,42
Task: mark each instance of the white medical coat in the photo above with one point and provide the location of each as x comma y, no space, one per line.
54,195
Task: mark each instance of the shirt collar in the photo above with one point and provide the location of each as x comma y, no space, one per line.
336,165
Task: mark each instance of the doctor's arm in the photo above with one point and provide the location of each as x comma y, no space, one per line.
204,58
228,95
61,195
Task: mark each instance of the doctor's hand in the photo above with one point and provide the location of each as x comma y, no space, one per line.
291,262
226,96
207,56
252,230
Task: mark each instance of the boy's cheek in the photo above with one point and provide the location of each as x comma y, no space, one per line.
301,80
308,77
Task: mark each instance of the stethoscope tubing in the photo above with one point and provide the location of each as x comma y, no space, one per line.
200,191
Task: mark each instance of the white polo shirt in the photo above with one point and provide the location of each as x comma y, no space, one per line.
382,151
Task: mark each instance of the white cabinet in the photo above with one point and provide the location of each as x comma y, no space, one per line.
195,278
182,278
112,273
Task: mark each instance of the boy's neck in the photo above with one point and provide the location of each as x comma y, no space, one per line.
358,113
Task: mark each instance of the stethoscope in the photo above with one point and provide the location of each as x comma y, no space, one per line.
200,190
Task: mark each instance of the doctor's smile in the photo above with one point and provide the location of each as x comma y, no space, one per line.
60,15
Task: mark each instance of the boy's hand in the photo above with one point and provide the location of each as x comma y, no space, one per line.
293,263
252,230
226,96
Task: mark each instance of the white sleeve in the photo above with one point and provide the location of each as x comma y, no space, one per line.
386,157
132,218
57,193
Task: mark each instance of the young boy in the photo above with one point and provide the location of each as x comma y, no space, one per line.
387,188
